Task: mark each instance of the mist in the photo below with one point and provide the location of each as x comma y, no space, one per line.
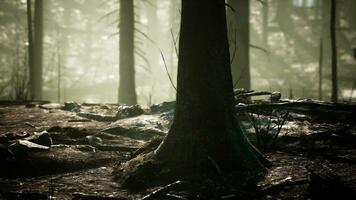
169,99
289,49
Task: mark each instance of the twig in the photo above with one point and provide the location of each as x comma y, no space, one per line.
161,191
235,47
165,66
279,128
264,3
79,120
229,6
164,60
240,77
30,125
107,15
174,196
259,48
352,91
282,184
174,43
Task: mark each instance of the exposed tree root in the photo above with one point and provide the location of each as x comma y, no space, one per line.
144,171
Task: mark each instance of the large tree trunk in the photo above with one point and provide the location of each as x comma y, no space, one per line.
334,89
240,43
38,42
204,125
31,51
127,89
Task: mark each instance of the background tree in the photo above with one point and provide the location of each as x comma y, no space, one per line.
38,48
152,51
334,82
127,89
84,34
31,51
35,40
324,45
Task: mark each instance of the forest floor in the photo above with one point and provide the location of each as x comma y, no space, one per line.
68,151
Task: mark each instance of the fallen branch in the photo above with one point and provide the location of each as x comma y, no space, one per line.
327,110
253,93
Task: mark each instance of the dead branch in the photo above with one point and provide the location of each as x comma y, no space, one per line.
345,112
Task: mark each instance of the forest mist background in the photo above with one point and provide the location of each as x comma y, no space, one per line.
81,49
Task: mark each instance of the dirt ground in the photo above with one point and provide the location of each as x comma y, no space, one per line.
87,141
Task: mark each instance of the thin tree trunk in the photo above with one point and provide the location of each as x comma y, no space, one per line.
152,51
321,53
334,82
59,74
31,52
127,88
64,48
265,16
38,49
323,16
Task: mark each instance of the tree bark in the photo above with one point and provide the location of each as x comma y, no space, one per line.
127,88
38,51
334,82
204,124
240,42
